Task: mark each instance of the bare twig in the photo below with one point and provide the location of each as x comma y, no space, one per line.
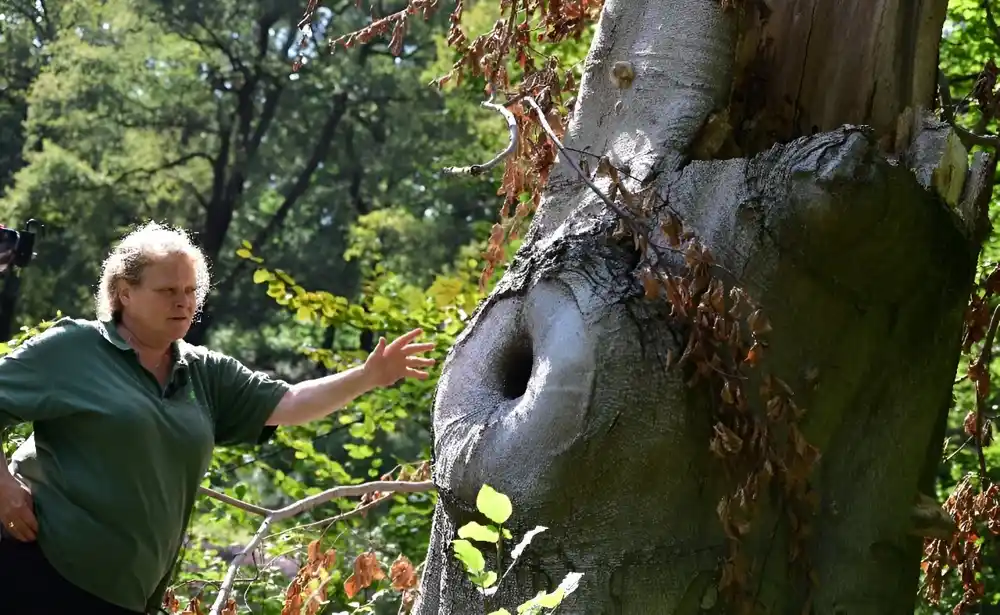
968,137
273,516
959,449
944,92
227,583
479,169
985,358
621,213
331,520
565,154
222,497
348,491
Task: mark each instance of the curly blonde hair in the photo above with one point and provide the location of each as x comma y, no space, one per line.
146,244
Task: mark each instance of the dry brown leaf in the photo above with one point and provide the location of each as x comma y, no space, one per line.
403,574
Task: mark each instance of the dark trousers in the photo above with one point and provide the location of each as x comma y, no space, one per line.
29,585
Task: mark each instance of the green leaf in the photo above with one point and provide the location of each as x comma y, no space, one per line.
261,275
544,600
380,304
476,531
496,506
499,612
243,253
469,555
303,314
485,579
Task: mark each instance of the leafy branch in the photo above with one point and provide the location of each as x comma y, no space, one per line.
305,504
496,507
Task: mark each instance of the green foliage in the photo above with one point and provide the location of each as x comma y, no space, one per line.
968,43
497,508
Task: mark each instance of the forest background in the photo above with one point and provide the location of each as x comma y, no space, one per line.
320,196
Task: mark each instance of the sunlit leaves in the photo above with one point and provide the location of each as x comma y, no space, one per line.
494,505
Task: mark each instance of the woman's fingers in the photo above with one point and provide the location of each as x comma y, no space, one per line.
418,348
419,362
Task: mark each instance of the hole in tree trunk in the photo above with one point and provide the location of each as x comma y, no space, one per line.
515,368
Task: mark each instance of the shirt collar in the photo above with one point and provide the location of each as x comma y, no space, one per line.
110,332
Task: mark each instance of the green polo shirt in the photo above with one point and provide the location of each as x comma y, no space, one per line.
115,461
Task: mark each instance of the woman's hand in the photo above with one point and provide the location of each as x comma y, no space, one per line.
17,509
388,363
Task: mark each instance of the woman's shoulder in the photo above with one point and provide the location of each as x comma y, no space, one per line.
62,333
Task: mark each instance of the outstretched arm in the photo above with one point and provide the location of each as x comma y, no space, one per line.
388,363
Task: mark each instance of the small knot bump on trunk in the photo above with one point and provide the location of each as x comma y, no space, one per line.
622,74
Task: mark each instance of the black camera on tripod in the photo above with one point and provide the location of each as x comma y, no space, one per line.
17,247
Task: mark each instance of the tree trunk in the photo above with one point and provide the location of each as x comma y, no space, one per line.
860,244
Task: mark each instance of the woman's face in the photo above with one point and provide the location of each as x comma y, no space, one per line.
164,301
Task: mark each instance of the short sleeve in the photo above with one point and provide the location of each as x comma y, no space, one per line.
27,375
242,400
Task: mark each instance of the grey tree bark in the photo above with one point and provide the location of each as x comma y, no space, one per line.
850,214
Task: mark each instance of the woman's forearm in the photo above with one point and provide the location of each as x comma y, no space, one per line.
313,399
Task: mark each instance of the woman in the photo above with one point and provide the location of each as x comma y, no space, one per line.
125,415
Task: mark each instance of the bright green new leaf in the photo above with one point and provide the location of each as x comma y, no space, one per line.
499,612
493,504
261,275
380,304
484,580
476,531
469,555
546,600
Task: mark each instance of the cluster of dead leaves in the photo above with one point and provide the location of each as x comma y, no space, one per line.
973,514
367,570
307,592
985,90
758,444
489,55
396,23
194,607
308,589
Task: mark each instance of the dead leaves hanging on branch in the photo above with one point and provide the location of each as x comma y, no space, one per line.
727,338
974,511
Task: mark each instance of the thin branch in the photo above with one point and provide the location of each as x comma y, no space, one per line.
148,172
985,357
303,505
479,169
227,583
969,138
222,497
944,92
565,155
959,449
339,517
348,491
622,214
